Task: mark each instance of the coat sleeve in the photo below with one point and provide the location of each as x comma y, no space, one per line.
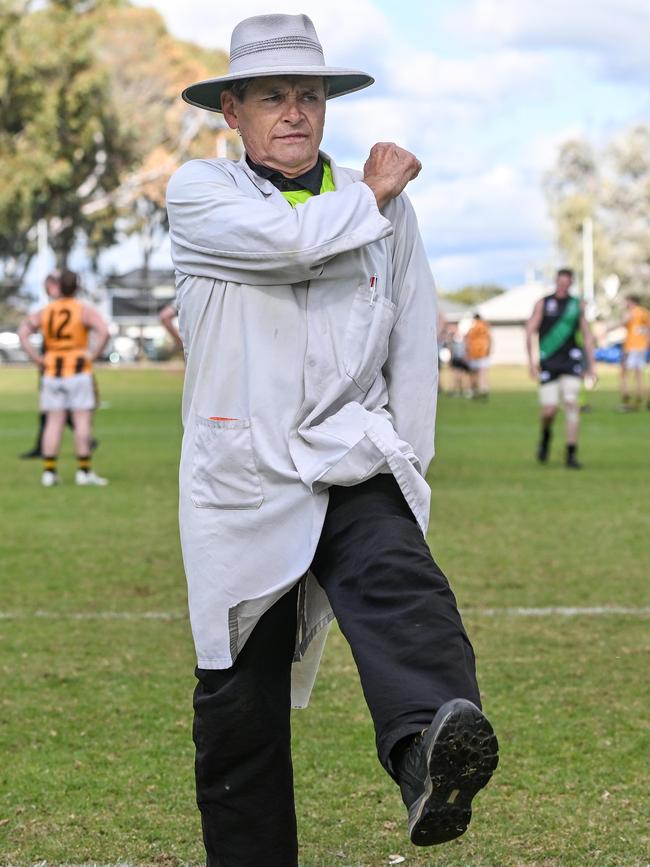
219,232
411,370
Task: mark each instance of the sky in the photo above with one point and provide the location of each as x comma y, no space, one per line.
482,91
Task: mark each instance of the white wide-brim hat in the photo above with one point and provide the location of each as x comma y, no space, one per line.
268,45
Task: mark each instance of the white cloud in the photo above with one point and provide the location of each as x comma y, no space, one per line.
480,78
615,33
505,265
210,24
498,207
485,110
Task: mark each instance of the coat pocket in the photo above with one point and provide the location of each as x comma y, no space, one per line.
224,474
366,339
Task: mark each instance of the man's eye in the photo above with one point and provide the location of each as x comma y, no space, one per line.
310,97
274,97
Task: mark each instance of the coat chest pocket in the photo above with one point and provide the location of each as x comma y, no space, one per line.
366,338
224,474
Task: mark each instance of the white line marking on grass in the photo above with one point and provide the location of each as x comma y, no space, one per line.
551,611
558,611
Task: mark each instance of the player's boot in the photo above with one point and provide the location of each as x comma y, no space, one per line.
49,479
443,768
572,462
544,446
31,454
89,478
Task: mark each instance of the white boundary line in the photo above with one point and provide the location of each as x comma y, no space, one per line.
559,611
551,611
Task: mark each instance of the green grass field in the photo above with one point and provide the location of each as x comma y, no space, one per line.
97,659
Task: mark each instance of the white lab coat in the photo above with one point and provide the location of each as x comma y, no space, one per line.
302,372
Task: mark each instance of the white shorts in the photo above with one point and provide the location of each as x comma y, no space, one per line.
635,359
67,392
565,389
478,363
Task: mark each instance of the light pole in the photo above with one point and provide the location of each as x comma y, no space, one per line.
588,265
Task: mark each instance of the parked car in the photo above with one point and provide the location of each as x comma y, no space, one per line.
120,349
611,354
10,348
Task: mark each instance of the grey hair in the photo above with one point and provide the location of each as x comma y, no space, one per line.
238,88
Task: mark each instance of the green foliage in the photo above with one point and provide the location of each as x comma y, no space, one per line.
61,147
612,186
626,203
474,293
91,123
96,713
148,68
10,316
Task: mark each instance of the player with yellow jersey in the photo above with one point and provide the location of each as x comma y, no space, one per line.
478,343
635,351
67,384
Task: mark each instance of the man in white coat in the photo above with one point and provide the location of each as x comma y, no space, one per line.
307,312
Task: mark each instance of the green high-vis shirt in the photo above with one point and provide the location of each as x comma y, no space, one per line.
299,197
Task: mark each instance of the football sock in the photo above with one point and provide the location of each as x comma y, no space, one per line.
84,463
49,464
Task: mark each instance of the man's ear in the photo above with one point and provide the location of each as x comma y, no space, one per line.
229,109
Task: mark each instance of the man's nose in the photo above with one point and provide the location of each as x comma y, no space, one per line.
292,111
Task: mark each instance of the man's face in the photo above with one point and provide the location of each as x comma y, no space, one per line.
562,285
53,288
280,120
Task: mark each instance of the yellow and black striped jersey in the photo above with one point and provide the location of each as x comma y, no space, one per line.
65,338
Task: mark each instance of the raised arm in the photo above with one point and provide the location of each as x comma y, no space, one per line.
388,170
411,371
219,232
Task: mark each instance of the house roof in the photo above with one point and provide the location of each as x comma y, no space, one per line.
515,305
143,280
452,310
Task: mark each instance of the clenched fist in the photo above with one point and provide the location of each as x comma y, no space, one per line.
388,170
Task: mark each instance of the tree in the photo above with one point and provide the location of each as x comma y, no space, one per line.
61,146
626,209
148,68
92,125
612,187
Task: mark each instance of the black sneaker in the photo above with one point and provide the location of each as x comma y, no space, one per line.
443,768
31,454
543,450
572,463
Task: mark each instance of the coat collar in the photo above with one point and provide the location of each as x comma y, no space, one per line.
341,179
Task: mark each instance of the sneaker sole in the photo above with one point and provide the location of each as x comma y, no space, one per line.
462,755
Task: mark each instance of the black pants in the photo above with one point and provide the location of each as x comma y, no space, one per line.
396,610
